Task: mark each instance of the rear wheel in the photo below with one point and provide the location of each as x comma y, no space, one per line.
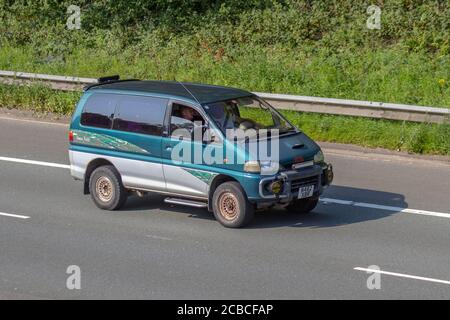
106,188
303,206
230,205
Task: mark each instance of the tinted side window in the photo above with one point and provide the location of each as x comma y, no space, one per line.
99,110
140,114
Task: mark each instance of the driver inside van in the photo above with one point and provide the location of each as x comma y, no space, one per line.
187,113
186,118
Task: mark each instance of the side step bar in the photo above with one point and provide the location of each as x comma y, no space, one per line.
186,202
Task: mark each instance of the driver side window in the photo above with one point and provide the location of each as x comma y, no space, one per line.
184,121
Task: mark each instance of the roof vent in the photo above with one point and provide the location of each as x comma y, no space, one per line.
108,79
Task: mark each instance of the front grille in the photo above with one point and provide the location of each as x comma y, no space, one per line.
298,183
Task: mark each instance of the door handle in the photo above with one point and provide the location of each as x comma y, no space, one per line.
169,148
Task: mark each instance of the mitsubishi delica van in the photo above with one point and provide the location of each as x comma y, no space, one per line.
218,148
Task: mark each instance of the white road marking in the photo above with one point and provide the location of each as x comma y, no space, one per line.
402,275
388,208
13,215
337,201
37,163
157,237
36,121
323,200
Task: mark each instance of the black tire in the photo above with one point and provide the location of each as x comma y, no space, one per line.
303,206
103,178
230,205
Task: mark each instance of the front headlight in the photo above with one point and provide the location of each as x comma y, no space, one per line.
319,158
269,167
252,166
263,167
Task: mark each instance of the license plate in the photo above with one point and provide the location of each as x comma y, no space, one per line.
306,192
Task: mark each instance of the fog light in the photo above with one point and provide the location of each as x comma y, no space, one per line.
276,187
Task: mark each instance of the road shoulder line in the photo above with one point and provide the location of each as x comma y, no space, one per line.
14,215
37,163
402,275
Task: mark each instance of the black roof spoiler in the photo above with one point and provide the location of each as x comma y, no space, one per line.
105,80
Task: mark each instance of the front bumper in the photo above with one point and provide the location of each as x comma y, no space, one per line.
320,176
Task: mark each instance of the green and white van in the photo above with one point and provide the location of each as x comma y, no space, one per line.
201,145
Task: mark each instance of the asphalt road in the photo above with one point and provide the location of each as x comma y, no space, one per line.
152,250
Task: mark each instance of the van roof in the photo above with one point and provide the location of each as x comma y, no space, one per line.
203,93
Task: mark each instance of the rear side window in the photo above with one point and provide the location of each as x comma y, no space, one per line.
99,110
140,115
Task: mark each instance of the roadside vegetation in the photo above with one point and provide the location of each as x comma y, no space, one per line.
316,48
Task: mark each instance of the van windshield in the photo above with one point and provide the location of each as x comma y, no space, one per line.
249,114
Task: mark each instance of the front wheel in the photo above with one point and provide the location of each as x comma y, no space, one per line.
303,206
230,205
